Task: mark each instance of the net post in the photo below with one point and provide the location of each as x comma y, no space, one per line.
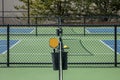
8,45
60,62
115,45
60,49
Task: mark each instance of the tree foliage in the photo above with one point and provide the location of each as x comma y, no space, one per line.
105,7
68,7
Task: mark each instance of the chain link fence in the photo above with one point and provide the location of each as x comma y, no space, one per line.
93,40
89,44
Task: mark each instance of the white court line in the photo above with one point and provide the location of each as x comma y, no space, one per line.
87,30
108,46
12,46
32,30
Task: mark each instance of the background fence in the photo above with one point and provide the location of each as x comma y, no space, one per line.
93,40
89,45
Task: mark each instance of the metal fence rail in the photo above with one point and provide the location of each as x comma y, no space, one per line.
87,48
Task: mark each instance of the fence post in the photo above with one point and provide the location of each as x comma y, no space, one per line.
8,45
115,45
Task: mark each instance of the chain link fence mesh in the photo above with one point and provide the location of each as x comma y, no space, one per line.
91,39
88,45
118,48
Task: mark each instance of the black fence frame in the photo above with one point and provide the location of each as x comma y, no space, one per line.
115,63
83,24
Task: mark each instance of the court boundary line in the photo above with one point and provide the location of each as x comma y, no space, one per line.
32,30
11,46
87,31
108,46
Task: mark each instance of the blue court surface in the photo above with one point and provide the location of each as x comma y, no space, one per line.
110,44
17,30
3,45
102,30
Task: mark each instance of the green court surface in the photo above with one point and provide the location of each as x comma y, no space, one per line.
66,30
49,74
36,49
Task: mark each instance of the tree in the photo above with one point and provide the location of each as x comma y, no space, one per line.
105,7
48,7
66,7
37,7
115,5
69,8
